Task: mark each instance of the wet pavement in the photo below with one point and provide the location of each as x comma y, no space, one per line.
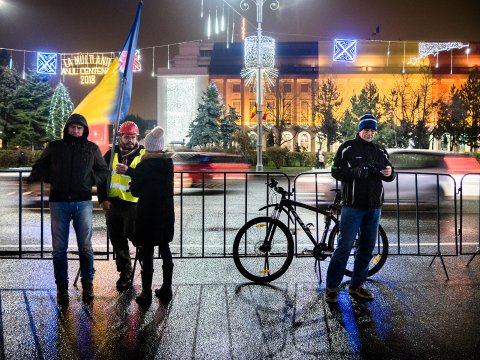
215,314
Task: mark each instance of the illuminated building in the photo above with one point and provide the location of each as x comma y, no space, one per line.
300,65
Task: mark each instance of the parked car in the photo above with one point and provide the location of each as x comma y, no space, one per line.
421,174
210,168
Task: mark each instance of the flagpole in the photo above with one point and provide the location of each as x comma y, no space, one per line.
115,132
126,69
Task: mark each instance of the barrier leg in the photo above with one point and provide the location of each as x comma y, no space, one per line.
473,256
439,254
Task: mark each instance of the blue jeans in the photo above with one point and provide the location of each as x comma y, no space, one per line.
61,213
351,221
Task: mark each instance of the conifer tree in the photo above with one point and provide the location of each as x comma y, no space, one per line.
9,81
228,125
30,117
469,93
61,107
205,128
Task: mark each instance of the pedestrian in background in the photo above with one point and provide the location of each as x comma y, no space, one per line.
361,165
21,158
152,183
72,166
320,159
119,204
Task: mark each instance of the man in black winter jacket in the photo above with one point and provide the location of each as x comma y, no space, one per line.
71,166
361,165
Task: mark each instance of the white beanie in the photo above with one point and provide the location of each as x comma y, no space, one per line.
154,140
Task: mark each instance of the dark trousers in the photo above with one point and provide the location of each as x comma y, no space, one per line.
121,228
148,257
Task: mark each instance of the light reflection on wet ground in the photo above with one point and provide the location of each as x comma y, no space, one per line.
216,315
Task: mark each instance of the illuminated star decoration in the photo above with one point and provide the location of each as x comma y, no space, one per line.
46,63
137,66
433,48
344,50
267,58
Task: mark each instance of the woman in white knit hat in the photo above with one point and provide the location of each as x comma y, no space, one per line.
152,183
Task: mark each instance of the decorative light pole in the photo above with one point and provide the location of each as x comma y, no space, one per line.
263,47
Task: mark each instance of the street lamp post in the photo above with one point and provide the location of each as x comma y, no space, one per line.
274,5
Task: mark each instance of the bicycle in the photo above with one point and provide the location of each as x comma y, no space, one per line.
263,248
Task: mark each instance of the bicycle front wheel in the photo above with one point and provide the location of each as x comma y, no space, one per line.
263,249
380,252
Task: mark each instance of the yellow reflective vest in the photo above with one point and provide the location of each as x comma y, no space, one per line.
119,183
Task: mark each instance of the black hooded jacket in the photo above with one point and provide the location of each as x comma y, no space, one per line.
71,165
366,192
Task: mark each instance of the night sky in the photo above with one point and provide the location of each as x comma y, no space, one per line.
87,26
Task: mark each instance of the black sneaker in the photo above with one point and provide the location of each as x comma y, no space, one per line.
331,296
87,293
124,281
361,291
62,295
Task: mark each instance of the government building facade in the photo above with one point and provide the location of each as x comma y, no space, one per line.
301,67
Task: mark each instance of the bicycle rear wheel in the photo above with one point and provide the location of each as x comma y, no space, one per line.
263,249
380,252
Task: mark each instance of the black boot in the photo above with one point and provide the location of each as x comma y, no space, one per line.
87,292
165,293
62,295
145,297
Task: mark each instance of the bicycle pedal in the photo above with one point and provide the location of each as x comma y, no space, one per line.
264,271
307,251
376,258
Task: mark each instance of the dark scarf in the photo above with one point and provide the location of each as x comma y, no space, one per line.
126,153
73,139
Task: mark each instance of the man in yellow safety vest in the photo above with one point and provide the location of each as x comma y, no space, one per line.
119,204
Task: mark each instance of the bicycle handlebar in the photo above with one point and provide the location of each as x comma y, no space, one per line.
273,185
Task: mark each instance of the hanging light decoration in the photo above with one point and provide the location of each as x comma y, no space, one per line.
216,20
267,61
433,48
222,24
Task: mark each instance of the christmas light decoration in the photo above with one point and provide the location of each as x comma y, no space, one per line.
61,107
181,107
153,61
222,24
430,48
244,28
216,21
209,23
46,63
344,50
267,61
267,52
388,52
24,73
433,48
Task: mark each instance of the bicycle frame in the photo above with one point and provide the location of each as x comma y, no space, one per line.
288,206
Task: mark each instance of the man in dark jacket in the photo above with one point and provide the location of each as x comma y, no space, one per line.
361,165
71,166
119,204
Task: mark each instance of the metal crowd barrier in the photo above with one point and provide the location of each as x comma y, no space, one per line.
211,209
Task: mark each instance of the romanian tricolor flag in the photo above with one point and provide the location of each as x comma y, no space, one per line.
109,101
254,111
265,112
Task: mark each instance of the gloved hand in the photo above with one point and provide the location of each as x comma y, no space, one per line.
375,167
360,171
